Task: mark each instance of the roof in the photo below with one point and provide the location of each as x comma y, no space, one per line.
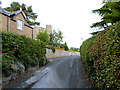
3,11
17,12
26,24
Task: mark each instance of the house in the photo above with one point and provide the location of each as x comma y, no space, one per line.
15,22
36,30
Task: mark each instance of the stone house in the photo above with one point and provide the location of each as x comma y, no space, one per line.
15,22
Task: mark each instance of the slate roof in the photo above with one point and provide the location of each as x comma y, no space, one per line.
27,25
3,11
17,12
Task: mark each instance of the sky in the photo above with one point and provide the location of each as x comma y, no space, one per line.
72,17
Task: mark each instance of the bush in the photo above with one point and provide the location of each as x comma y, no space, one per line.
7,63
0,50
28,51
52,48
101,55
84,49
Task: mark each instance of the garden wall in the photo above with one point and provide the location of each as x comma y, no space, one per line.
59,53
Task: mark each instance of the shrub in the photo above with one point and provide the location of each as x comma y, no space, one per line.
7,64
52,48
28,51
43,37
84,49
102,57
0,50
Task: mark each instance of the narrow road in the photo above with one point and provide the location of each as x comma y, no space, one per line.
64,72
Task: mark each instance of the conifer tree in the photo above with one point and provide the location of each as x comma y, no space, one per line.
31,16
110,13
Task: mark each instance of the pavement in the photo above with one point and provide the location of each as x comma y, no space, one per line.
64,72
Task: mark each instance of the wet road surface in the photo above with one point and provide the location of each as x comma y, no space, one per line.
64,72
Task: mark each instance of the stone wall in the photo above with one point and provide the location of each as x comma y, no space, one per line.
3,26
0,21
60,53
12,25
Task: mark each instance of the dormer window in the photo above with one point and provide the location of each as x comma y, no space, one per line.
19,24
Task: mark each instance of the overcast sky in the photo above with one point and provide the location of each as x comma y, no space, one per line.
72,17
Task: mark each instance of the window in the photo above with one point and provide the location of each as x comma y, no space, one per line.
19,24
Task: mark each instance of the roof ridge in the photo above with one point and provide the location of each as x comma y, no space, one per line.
2,10
17,12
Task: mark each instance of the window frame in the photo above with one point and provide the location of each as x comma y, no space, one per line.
19,24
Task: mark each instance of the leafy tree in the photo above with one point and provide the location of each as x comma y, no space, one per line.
51,42
31,16
74,49
62,45
56,38
110,13
66,47
43,37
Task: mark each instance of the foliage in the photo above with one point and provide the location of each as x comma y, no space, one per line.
31,16
28,51
101,54
104,1
0,49
95,33
62,45
43,37
0,59
56,38
66,47
52,48
74,49
7,63
110,13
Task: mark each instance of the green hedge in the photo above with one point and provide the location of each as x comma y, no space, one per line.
19,48
101,55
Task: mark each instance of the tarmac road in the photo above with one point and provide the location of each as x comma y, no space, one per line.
64,72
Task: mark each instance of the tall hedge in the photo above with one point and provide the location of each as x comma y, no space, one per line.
19,48
101,55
